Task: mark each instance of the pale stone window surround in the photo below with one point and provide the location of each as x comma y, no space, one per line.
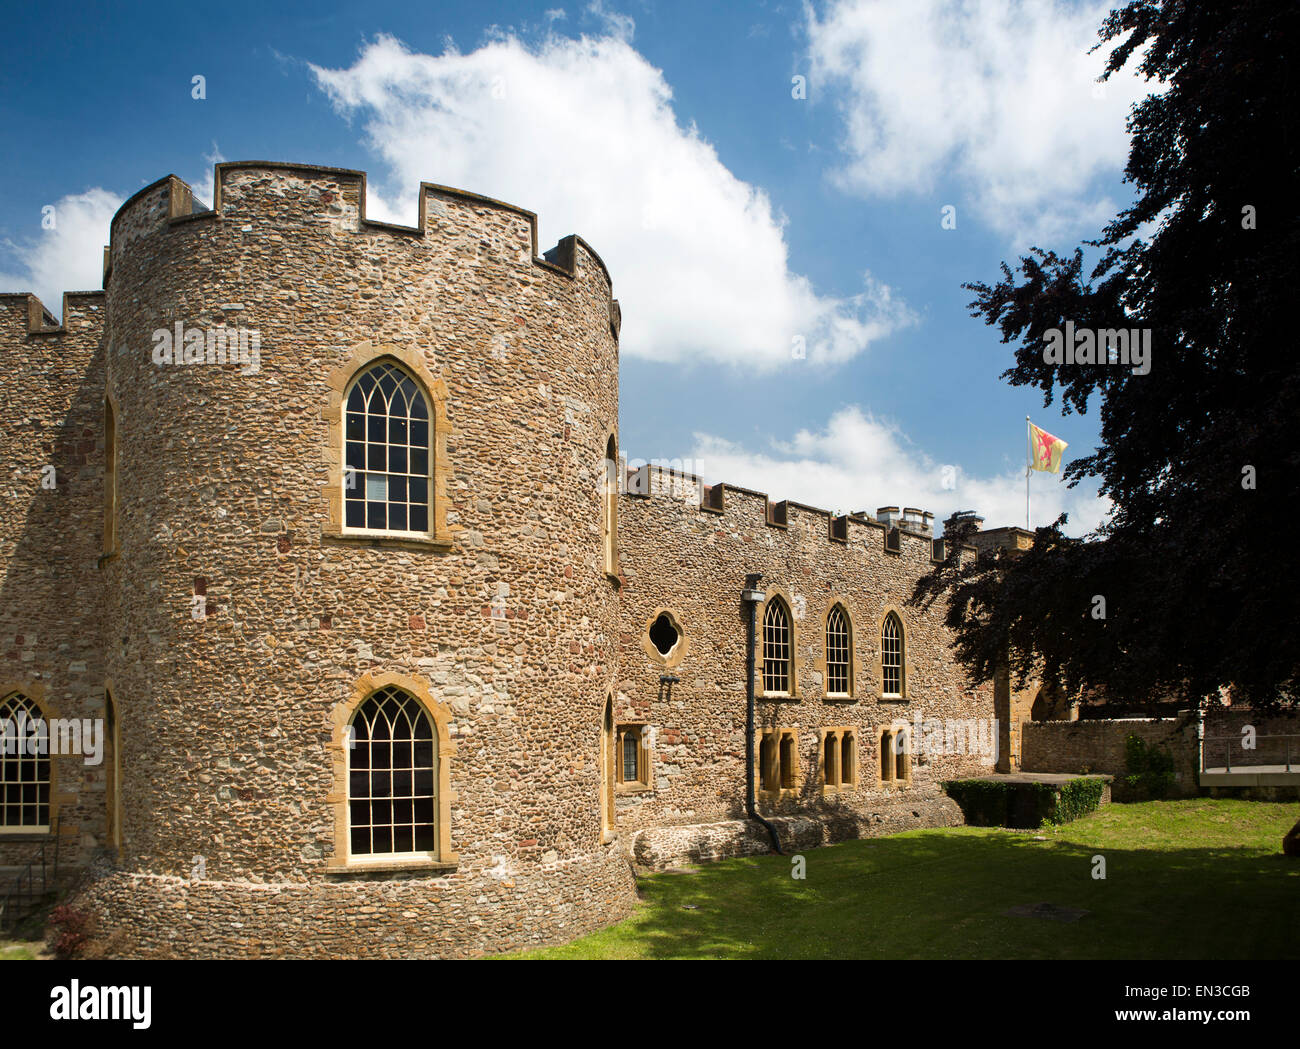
894,769
777,764
776,595
34,693
907,675
675,654
632,739
838,751
360,358
440,858
822,663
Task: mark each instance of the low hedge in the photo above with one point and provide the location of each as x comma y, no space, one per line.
998,803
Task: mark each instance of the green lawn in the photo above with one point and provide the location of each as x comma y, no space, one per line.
1184,879
18,951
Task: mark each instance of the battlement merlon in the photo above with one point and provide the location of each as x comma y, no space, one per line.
256,191
23,314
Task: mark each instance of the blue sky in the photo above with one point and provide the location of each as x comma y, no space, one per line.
736,218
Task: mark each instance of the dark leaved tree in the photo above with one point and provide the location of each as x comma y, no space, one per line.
1198,564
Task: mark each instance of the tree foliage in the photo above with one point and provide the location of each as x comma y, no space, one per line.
1197,568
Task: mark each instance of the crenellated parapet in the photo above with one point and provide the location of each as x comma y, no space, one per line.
22,314
266,199
885,532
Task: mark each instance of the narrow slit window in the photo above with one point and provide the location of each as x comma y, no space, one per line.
830,760
609,508
767,763
631,758
110,478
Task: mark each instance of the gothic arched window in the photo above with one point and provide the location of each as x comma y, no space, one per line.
777,649
24,765
388,458
837,652
891,655
392,777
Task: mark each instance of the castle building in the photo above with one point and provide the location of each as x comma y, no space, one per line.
323,525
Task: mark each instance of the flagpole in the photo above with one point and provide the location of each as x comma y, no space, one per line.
1029,448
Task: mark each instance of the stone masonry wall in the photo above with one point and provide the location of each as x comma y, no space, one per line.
680,556
227,718
1099,746
1271,746
51,382
234,621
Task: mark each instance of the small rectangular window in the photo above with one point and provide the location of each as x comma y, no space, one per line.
633,756
778,763
631,759
839,758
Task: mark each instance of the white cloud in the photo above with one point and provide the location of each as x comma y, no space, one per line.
612,22
69,257
583,133
859,462
998,95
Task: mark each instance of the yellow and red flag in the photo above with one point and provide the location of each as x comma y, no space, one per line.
1045,450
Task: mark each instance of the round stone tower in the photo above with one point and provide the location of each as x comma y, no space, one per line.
259,608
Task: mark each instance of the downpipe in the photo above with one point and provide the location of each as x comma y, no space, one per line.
753,597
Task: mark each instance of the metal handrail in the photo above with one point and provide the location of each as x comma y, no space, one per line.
28,873
1229,740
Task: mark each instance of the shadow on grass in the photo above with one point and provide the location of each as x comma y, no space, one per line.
945,894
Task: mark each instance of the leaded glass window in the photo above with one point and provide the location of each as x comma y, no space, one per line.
392,776
776,648
388,475
891,655
24,776
837,652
